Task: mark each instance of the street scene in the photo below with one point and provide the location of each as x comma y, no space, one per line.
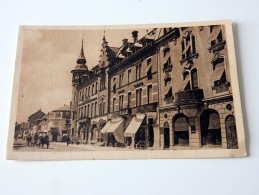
126,89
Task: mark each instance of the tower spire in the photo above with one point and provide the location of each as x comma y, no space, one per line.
81,58
104,39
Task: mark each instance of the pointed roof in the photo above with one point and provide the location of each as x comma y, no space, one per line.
82,55
81,61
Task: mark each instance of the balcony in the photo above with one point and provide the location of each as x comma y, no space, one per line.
145,108
221,87
217,47
84,119
189,97
125,111
189,58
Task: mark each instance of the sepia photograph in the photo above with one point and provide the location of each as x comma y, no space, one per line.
126,92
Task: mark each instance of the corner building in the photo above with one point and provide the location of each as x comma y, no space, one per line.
195,103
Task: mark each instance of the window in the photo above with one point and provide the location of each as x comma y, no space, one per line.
80,95
74,97
114,85
138,71
149,69
129,75
100,108
86,92
89,88
218,77
121,97
194,78
188,46
93,89
138,97
92,110
96,87
121,76
190,79
166,50
102,83
129,99
216,35
113,104
102,105
83,95
85,111
149,94
88,109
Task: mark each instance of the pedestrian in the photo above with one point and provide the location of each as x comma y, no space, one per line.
46,140
68,140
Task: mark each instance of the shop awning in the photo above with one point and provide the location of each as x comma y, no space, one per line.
214,121
166,58
134,125
218,72
181,124
106,127
116,127
167,89
214,34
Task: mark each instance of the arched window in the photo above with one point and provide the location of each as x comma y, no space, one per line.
194,78
186,81
181,130
210,128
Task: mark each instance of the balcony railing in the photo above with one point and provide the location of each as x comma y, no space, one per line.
189,96
145,108
217,46
83,118
125,111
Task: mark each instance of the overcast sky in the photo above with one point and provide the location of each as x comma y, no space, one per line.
48,57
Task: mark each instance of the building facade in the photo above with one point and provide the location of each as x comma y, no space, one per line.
56,124
168,89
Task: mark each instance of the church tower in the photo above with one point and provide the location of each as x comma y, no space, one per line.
77,78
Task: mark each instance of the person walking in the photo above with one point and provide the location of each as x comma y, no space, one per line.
68,140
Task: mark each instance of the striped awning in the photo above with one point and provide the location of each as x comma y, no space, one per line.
134,125
218,72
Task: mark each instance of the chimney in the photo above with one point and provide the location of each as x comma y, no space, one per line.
124,41
135,36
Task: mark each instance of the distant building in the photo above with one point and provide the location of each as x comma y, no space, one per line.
169,89
56,123
32,119
31,125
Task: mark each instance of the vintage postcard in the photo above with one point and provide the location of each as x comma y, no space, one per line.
126,92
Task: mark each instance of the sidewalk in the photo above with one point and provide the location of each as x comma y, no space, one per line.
92,147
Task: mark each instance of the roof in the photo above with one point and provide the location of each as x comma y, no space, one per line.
63,108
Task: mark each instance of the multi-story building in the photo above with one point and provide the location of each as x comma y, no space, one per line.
196,103
134,92
169,89
90,95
